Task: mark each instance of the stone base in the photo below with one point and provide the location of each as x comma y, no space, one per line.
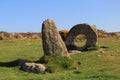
33,67
29,66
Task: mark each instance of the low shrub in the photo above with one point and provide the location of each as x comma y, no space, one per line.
58,63
63,34
1,38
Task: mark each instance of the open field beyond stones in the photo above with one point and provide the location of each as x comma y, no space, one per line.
102,64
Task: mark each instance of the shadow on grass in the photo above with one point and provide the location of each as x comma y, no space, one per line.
13,63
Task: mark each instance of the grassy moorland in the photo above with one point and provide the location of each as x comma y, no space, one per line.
102,64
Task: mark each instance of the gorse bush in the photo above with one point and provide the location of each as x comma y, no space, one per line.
63,34
1,38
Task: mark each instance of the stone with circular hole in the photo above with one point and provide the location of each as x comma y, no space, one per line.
85,29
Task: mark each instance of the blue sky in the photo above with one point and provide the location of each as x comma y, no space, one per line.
28,15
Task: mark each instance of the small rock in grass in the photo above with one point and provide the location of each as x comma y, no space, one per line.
33,67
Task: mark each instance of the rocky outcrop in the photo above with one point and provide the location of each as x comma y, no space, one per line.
85,29
52,41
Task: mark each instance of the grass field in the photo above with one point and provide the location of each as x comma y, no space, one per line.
102,64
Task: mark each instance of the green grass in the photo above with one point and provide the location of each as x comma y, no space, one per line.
57,63
103,64
80,42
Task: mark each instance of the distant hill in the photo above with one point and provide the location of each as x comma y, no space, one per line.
63,33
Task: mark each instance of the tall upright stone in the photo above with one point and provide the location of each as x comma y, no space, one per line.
52,41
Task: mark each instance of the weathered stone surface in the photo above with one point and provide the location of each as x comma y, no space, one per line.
85,29
33,67
52,41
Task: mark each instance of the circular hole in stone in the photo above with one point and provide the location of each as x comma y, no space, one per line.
80,40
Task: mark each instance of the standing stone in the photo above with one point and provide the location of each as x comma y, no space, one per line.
52,41
85,29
